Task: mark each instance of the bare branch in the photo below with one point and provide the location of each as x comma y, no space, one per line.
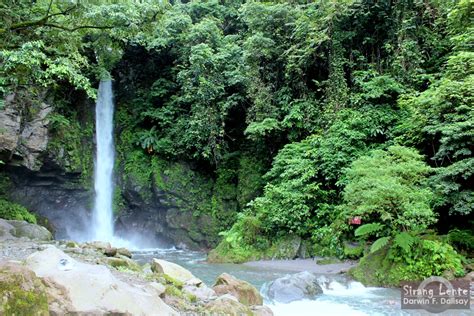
73,29
39,22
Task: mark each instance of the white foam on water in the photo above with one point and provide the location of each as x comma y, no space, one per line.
311,308
338,298
352,288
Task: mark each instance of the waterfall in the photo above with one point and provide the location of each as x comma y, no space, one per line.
102,221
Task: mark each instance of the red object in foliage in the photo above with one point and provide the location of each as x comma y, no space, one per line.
357,220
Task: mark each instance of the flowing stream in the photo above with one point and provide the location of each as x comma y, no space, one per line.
102,220
341,296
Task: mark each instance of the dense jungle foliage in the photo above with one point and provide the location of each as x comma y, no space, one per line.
307,113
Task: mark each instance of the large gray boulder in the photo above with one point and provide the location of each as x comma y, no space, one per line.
31,231
12,229
287,247
22,137
93,289
7,231
303,285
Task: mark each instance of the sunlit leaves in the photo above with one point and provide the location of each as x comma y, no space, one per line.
368,229
390,187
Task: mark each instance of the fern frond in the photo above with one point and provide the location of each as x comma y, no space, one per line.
379,244
404,240
368,229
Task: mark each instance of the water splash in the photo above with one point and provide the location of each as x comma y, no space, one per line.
102,219
340,296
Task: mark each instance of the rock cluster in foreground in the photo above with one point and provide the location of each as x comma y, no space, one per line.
97,279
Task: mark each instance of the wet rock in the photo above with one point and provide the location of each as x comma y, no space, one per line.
77,251
157,287
173,270
304,250
243,291
55,195
469,276
7,231
99,245
21,291
194,281
71,244
31,231
287,247
202,293
92,289
197,288
261,310
124,252
110,252
227,305
122,262
303,285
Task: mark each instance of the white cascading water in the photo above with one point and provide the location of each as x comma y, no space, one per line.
102,221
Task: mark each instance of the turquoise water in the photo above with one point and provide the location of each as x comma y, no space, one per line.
341,296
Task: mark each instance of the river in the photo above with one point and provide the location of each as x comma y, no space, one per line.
341,296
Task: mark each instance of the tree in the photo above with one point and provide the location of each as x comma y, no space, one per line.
47,42
441,119
388,189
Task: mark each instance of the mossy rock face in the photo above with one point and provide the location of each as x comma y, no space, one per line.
373,269
32,231
122,262
353,250
226,253
21,292
285,248
387,267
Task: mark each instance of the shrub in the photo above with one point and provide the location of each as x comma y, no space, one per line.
462,239
10,210
427,258
390,265
388,189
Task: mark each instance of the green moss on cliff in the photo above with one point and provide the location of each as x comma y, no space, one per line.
185,188
5,184
213,198
233,249
70,145
118,202
225,252
137,173
250,179
10,210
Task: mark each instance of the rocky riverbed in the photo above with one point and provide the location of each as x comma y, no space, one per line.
43,276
